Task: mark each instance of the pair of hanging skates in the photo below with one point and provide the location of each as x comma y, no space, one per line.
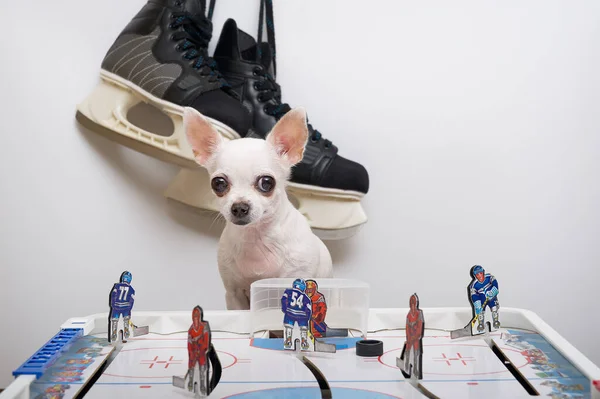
161,58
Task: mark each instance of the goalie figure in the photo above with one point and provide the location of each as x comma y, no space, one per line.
297,309
121,301
483,292
318,327
198,345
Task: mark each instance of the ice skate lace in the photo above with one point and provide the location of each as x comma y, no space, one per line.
269,88
194,34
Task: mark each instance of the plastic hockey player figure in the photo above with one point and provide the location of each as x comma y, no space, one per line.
297,309
198,340
122,297
483,293
411,360
318,327
121,301
201,354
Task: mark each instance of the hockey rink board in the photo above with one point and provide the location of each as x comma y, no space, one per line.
259,367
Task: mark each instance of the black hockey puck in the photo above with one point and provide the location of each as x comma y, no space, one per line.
369,347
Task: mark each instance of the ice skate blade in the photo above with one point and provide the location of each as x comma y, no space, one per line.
105,112
331,214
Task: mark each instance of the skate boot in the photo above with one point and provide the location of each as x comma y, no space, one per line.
191,380
113,330
327,187
161,58
203,380
407,362
480,326
304,339
496,321
126,327
287,344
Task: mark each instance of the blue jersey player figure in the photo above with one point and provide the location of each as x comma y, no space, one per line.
297,309
483,292
122,297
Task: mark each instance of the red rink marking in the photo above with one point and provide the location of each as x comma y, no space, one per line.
145,386
235,360
472,383
165,362
460,358
457,344
180,339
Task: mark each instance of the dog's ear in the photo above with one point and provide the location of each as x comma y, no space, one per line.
289,136
202,136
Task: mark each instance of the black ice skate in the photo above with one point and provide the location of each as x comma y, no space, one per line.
161,58
327,187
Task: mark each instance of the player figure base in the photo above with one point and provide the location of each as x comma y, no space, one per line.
314,345
183,383
135,332
470,331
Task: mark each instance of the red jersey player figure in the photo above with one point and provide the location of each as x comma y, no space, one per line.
198,340
411,360
201,354
318,328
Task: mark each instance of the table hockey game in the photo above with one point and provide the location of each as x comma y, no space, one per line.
256,366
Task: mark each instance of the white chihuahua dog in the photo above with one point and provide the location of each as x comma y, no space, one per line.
265,235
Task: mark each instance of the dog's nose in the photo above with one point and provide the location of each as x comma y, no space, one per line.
240,209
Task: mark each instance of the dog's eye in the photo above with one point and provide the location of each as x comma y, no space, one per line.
265,184
219,185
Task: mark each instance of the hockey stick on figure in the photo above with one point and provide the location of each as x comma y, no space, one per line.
468,329
482,309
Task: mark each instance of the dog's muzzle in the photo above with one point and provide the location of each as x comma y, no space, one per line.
240,213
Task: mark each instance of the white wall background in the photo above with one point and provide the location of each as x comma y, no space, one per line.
478,122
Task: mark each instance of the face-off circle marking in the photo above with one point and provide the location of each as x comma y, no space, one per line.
161,363
457,359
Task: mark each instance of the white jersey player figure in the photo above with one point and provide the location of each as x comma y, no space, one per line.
483,293
297,309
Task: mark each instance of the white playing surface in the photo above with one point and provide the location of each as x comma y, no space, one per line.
451,368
